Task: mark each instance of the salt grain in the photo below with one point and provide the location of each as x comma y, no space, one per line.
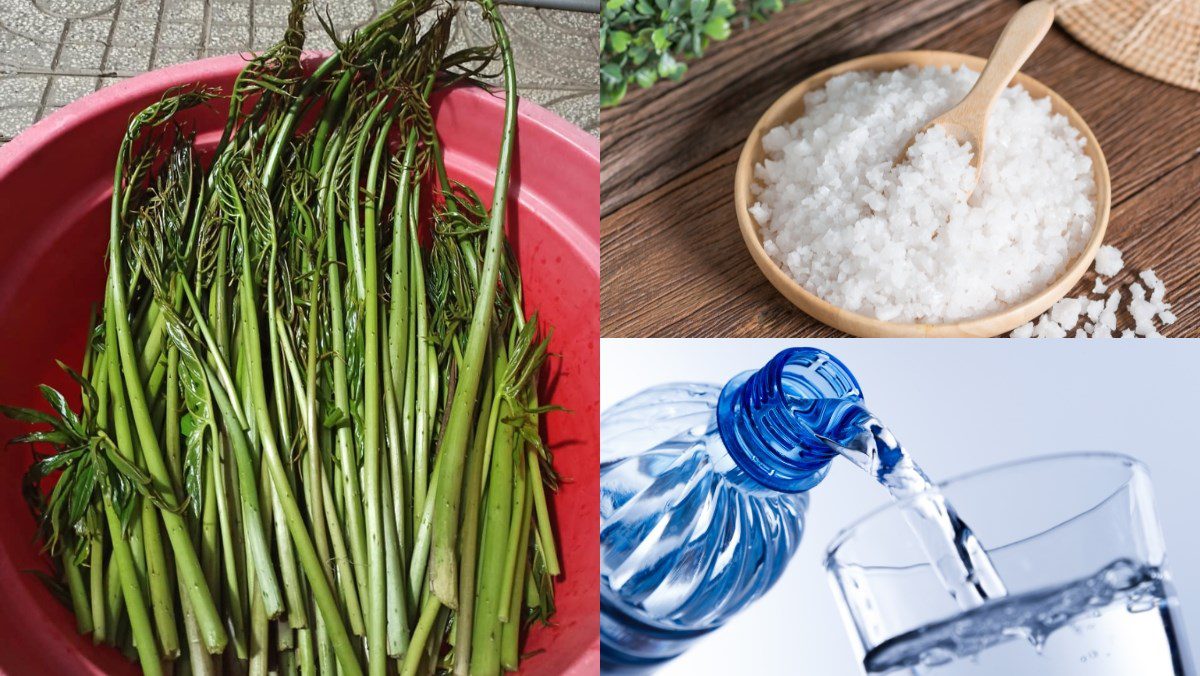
1066,312
1108,261
1101,313
1142,311
1108,316
902,242
1048,328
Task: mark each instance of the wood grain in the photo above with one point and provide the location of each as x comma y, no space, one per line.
672,259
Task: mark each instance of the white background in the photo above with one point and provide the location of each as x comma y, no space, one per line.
956,405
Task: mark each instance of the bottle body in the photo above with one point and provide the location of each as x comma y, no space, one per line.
703,490
687,538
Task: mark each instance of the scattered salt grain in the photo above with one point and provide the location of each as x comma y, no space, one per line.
1048,328
1142,311
1108,261
1157,289
1066,312
902,242
1108,316
1101,313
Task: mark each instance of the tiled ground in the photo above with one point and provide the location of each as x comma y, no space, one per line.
54,51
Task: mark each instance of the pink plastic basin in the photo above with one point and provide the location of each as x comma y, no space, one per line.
55,180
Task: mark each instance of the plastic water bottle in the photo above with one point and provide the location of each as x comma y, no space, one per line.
703,490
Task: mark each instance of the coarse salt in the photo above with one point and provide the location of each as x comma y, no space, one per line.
1101,313
1108,261
902,242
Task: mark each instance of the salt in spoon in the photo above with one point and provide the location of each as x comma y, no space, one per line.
967,121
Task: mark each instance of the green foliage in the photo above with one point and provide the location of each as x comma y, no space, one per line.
643,41
87,459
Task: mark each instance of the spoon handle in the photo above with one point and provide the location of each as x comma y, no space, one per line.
1018,40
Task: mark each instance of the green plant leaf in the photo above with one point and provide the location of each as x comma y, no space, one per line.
198,420
611,72
81,492
659,39
187,424
669,68
680,29
89,393
334,417
646,77
58,461
70,421
611,93
724,9
717,28
126,468
619,41
638,53
28,415
56,437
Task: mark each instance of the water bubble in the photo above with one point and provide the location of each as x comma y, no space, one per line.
937,656
1141,603
1038,640
1121,575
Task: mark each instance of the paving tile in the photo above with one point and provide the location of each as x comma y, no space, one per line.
66,88
231,11
22,88
271,13
141,9
93,29
169,56
556,52
226,38
20,53
180,34
20,97
183,10
129,59
25,19
130,32
81,55
70,9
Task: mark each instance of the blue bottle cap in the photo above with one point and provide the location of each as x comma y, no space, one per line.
773,421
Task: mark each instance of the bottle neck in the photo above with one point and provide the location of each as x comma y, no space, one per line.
776,423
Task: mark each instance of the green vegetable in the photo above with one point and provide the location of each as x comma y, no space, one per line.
288,384
643,41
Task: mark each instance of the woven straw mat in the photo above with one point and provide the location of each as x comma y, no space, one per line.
1159,38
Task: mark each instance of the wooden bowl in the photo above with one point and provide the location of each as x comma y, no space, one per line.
790,106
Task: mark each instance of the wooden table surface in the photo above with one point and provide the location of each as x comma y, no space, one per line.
673,262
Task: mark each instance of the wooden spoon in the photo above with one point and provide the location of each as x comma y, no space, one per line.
967,122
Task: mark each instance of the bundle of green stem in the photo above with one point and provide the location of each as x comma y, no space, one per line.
335,426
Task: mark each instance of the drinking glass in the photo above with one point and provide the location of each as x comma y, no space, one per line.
1077,544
